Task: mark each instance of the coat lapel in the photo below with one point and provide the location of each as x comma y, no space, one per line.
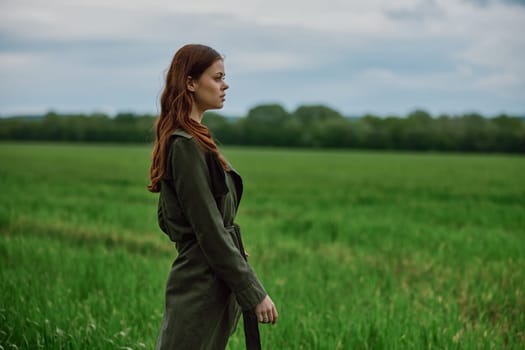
238,183
220,175
217,175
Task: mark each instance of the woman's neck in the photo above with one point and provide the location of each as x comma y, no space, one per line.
196,114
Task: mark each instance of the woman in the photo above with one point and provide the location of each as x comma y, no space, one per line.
210,280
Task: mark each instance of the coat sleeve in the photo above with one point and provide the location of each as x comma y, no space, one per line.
192,184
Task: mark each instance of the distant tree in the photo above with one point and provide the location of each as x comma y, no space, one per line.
307,126
269,114
373,133
448,133
508,134
394,127
126,118
333,133
474,133
221,128
264,125
315,113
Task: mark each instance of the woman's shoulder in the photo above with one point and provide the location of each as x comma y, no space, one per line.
183,133
184,145
181,139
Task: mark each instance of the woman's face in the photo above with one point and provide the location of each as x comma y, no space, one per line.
209,89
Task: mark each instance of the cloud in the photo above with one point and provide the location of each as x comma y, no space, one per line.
375,55
420,11
485,3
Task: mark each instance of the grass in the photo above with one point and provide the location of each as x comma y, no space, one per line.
359,250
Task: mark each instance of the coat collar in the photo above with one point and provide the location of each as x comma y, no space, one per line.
187,135
237,177
232,169
182,132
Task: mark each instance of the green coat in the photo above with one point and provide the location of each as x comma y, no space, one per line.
209,281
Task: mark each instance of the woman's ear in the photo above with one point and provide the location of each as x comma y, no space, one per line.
190,84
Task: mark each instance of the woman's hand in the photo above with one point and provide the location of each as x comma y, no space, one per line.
266,311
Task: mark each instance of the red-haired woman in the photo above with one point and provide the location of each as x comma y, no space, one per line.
210,281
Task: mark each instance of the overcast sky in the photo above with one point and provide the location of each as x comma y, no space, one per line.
377,56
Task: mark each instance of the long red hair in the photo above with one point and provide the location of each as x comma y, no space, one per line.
175,107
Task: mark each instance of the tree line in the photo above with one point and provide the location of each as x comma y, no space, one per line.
308,126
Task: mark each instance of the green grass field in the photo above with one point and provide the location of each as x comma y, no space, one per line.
359,250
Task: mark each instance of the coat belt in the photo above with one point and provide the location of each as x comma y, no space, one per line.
251,324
